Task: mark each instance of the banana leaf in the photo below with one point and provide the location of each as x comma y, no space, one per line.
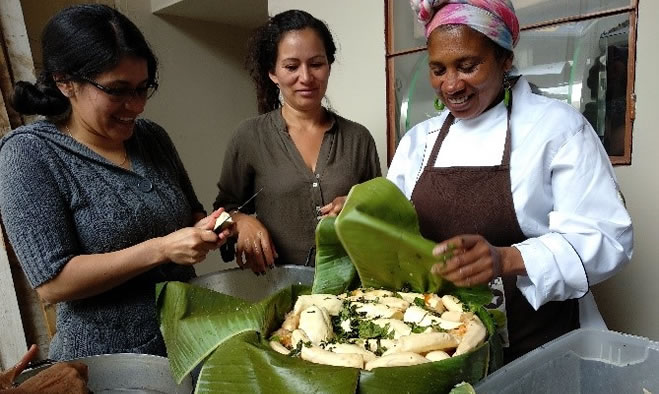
194,321
334,271
379,229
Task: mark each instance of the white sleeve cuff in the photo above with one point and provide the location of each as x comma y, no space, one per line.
554,270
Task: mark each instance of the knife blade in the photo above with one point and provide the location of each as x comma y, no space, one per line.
218,226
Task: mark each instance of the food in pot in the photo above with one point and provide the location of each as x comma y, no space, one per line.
368,328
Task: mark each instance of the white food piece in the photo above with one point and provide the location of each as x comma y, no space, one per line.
473,337
434,302
452,316
372,344
398,327
379,293
437,355
346,325
291,321
452,303
299,336
423,318
347,348
431,320
317,355
330,302
224,221
316,323
278,347
414,314
425,342
375,311
392,302
397,360
409,297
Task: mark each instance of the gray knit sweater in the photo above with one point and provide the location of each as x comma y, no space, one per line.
59,199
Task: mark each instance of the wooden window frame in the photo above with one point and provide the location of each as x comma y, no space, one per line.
391,54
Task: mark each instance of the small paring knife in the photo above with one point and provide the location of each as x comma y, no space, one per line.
224,217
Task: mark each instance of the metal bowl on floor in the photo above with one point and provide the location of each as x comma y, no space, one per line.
126,373
244,284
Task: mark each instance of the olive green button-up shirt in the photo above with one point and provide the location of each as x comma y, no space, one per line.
262,154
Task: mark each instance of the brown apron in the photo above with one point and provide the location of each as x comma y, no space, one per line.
478,200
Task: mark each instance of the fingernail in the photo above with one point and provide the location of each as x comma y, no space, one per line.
439,249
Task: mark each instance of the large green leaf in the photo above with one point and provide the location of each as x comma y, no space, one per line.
194,320
379,229
334,272
246,364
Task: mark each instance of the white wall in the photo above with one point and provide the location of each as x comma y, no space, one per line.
629,300
204,93
357,86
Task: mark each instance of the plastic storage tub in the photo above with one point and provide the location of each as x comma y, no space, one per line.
582,361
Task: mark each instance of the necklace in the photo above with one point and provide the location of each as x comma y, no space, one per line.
123,162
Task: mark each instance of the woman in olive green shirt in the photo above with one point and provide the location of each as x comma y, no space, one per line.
304,157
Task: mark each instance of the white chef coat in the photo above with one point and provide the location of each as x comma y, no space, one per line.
564,191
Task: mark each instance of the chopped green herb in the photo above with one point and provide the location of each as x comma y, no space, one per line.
369,330
420,302
295,352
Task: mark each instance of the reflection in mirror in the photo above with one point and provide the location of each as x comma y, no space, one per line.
583,64
536,11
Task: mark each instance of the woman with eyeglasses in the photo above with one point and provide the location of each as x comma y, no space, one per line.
303,156
96,202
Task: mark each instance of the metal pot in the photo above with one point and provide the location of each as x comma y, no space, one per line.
244,284
124,373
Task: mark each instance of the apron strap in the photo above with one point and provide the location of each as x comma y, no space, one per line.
443,132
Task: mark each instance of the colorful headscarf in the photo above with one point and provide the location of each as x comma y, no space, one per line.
494,18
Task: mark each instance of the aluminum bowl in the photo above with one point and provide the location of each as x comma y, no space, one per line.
244,284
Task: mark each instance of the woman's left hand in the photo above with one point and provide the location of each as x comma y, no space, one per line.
333,208
475,261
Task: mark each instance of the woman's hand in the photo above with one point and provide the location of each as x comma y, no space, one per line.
59,379
8,376
333,208
190,245
254,248
475,261
208,223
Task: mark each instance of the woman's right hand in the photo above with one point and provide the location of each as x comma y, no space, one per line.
254,248
60,378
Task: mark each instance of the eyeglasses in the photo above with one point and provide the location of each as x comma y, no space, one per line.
124,94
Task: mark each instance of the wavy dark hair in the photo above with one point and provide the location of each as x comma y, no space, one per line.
82,40
262,51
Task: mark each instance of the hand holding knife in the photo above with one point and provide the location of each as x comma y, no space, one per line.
226,217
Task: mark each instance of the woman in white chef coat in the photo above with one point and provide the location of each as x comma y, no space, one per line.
518,183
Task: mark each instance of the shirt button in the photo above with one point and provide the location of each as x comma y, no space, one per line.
315,184
145,185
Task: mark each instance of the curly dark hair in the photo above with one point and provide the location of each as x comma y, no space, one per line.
82,40
262,52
